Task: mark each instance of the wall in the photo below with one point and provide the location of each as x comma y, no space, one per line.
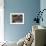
28,7
1,20
43,6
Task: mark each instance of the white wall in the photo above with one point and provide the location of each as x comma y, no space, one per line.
1,20
43,6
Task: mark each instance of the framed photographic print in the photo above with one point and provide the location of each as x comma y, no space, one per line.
16,18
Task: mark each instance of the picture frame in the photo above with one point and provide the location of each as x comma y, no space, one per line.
16,18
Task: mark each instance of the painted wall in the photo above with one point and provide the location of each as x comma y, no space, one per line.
28,7
43,6
1,20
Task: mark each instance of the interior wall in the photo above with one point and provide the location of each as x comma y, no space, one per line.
43,6
13,32
1,20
